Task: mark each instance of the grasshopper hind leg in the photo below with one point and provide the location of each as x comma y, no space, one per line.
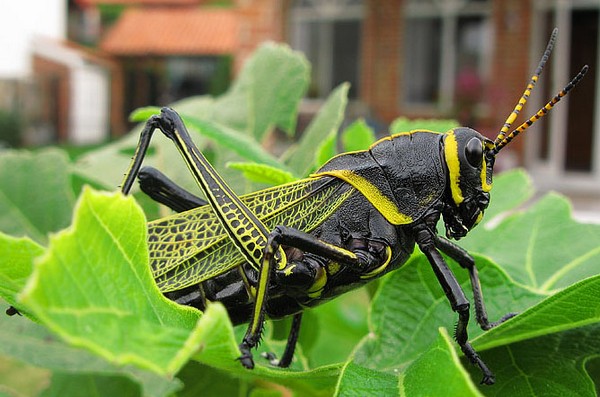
161,189
290,346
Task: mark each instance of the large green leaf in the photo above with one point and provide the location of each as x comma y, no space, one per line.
521,245
266,93
551,365
303,158
93,288
276,79
440,361
35,345
36,195
573,307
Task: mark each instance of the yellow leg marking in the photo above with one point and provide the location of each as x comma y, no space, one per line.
376,271
317,288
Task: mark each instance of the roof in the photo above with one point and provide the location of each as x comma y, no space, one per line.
172,31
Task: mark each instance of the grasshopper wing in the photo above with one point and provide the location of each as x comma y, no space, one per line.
190,247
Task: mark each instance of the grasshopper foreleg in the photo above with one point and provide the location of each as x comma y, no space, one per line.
425,238
465,260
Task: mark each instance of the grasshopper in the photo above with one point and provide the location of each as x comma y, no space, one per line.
277,251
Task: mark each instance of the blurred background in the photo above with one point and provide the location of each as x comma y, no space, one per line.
72,71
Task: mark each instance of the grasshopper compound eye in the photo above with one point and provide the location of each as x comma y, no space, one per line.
474,152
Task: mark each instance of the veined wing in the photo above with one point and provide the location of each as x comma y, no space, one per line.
309,203
181,236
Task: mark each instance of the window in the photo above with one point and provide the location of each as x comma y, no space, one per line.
563,151
329,34
445,52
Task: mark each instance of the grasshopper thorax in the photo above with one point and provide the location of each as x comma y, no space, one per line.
469,170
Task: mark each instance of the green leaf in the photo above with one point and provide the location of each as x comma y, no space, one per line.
36,197
65,384
17,264
33,344
330,331
101,295
325,123
267,92
233,140
402,124
241,144
511,189
548,249
573,307
326,150
552,365
262,173
276,79
357,136
439,362
201,380
361,381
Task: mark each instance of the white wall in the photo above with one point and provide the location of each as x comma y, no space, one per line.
20,22
90,93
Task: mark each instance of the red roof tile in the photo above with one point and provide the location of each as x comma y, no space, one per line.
177,31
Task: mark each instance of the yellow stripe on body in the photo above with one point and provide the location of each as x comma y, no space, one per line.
453,163
484,185
405,133
383,204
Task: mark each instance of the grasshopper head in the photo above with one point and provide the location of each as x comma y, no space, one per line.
470,157
470,169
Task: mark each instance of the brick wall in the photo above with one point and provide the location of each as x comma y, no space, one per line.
382,61
380,83
259,21
510,66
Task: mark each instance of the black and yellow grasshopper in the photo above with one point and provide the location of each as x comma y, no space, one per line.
275,252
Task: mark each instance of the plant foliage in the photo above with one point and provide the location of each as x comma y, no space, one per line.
95,323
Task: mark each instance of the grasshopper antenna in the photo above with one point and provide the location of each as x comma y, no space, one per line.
503,138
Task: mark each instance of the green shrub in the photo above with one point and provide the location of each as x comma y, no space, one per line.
102,327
